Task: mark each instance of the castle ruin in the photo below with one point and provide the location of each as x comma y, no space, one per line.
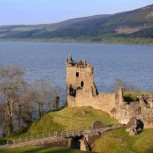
81,91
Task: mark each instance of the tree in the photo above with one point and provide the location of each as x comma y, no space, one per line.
56,103
11,87
45,96
24,109
118,83
18,99
56,97
2,116
42,95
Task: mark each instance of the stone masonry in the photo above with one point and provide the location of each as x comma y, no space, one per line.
81,91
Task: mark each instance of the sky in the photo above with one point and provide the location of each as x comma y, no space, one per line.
14,12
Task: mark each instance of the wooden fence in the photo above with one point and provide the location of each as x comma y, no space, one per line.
54,136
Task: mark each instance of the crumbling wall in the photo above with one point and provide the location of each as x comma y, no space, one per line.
106,101
81,91
103,101
136,109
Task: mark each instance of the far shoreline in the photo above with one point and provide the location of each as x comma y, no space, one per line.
73,41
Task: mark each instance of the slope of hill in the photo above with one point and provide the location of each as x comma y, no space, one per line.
132,24
69,119
119,141
116,141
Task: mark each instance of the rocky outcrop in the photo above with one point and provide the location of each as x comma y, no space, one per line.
134,126
97,125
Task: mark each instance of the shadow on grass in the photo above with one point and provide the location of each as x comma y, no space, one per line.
50,150
149,150
42,150
139,131
3,141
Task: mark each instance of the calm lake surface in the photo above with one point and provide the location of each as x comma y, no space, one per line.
46,61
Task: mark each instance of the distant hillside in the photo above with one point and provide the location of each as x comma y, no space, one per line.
124,26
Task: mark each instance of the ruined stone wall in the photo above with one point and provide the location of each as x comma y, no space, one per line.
147,117
76,74
80,85
103,101
83,99
106,101
81,91
126,111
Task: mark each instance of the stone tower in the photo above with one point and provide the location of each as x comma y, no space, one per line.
80,85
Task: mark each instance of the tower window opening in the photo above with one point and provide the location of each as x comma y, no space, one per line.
77,74
82,83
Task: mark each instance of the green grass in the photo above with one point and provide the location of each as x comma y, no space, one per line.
41,150
109,145
142,143
133,96
3,140
69,119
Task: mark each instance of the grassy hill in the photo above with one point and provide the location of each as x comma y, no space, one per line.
116,141
69,119
133,26
120,141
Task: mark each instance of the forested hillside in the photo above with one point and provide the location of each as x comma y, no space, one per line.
127,25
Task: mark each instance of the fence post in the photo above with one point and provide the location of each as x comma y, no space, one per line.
31,137
49,134
79,133
26,139
55,134
73,134
68,134
14,142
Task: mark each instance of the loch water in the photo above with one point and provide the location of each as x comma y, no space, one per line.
46,61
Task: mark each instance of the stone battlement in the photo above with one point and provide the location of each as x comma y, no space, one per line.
80,63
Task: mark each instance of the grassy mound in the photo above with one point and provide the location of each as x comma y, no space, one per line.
133,96
41,150
69,119
121,141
